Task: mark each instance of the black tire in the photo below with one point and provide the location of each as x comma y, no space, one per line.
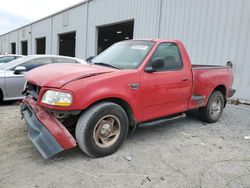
86,128
207,113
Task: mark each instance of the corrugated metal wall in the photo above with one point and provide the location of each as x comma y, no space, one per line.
39,30
24,34
68,21
4,43
145,14
214,31
13,37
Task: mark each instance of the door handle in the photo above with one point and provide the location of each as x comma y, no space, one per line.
185,79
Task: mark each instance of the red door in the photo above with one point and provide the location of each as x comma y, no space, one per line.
166,91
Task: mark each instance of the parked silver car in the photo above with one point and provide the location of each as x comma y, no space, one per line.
12,73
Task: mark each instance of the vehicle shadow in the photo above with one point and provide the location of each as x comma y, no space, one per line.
138,135
10,103
191,116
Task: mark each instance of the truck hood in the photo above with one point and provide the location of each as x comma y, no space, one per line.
59,74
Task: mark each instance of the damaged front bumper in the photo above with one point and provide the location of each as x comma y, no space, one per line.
46,132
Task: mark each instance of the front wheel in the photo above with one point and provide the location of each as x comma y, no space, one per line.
101,129
213,110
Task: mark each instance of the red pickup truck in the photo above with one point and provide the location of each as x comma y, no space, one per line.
132,83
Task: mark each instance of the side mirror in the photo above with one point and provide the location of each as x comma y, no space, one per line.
20,69
229,64
90,58
156,64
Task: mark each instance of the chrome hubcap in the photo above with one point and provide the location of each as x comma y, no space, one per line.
215,107
107,131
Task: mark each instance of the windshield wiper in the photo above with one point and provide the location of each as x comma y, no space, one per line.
107,65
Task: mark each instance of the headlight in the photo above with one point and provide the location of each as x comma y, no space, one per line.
57,98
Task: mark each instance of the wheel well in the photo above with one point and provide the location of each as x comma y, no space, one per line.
222,89
124,105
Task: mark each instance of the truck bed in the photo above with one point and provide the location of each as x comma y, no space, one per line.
208,77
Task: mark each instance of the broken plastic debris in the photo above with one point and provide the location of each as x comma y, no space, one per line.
188,135
58,158
247,137
128,157
148,179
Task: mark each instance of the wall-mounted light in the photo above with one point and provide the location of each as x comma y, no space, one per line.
127,38
105,40
119,32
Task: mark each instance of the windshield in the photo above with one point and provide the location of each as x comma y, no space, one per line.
6,59
125,55
12,63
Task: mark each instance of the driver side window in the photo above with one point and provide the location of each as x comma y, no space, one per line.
170,54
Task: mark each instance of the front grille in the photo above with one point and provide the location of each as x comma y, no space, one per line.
32,90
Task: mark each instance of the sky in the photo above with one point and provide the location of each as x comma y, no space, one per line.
16,13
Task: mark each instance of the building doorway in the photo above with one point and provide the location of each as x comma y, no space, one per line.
108,35
67,44
24,47
13,48
41,45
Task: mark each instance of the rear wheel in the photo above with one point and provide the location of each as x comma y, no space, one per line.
101,129
213,110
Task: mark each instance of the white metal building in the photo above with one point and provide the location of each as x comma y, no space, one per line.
214,31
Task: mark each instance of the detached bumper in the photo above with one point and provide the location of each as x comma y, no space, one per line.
47,133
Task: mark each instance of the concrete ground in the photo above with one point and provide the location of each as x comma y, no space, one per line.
187,153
